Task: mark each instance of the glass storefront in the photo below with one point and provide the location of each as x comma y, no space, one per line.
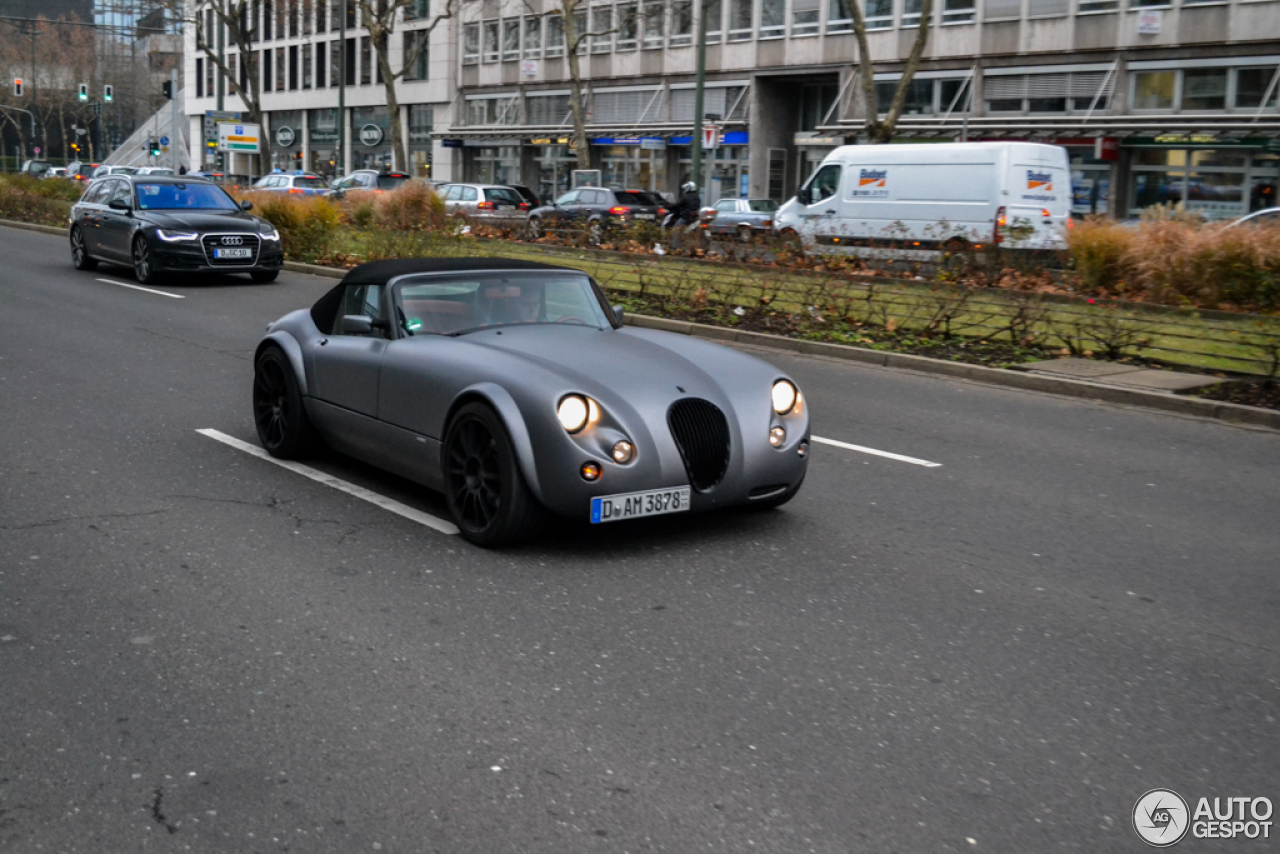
730,172
286,140
371,138
323,134
421,120
629,167
1218,183
1090,183
493,164
555,170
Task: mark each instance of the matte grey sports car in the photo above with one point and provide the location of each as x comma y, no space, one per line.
513,388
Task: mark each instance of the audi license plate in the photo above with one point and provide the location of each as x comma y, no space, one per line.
633,505
238,252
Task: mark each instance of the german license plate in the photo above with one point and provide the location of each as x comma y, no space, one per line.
233,253
506,207
634,505
644,216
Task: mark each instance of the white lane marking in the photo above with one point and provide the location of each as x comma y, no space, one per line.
341,485
140,288
888,456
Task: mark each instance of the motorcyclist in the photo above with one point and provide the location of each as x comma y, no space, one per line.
686,209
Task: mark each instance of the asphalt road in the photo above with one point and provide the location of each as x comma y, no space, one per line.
202,651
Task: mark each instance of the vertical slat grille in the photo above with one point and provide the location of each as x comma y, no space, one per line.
702,435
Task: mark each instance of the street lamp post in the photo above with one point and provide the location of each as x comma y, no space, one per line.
698,105
340,167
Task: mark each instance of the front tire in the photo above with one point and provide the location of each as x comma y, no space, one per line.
144,265
284,428
79,253
264,277
487,495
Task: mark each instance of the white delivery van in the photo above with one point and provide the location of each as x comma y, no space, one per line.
933,196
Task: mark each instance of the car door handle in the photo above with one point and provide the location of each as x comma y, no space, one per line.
830,210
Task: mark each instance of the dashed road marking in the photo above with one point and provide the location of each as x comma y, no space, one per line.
360,492
875,453
140,288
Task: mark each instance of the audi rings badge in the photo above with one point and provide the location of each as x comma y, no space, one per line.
232,241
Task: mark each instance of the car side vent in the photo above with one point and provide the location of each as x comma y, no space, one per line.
702,435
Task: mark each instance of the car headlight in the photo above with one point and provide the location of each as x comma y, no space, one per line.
573,413
273,234
784,396
175,236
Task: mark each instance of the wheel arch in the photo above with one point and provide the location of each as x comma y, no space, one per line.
292,352
508,411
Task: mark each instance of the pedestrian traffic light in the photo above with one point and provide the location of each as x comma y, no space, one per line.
108,92
84,91
17,86
167,88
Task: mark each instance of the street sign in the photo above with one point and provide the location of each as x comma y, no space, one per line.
36,149
234,137
710,137
164,140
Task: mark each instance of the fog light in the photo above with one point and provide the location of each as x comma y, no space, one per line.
590,472
623,452
777,436
803,450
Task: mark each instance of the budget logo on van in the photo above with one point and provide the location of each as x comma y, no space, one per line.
1039,181
873,183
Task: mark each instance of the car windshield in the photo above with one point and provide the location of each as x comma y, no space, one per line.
196,195
390,182
310,182
455,305
763,205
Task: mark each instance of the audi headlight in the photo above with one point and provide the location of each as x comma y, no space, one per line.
573,413
175,236
273,234
784,396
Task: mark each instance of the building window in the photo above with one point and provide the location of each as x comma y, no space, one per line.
199,78
501,110
602,29
546,110
994,10
417,10
960,11
804,17
840,16
1252,85
282,70
267,18
322,15
416,54
741,20
306,15
1154,90
654,32
533,37
1099,6
491,48
580,27
878,14
917,102
681,22
911,12
1048,8
1204,89
293,19
351,56
715,20
366,62
266,70
233,76
470,44
335,15
293,67
555,36
322,60
1077,92
628,26
335,62
511,38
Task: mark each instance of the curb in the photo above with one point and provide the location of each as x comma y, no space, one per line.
1233,413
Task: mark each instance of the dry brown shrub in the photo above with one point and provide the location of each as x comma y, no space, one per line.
413,206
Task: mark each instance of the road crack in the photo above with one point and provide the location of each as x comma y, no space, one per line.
159,816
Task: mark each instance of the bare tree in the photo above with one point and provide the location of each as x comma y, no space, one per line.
380,18
881,130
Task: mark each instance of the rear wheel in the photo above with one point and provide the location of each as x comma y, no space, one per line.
284,428
79,254
486,493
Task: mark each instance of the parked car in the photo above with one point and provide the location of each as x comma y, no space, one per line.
114,170
305,184
531,200
215,177
494,204
55,172
163,223
513,388
80,171
1266,216
35,167
947,196
155,170
370,179
743,217
595,209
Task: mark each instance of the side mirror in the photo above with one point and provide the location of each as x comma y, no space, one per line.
804,196
246,205
356,324
619,315
118,205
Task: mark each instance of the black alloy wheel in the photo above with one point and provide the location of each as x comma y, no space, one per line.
144,268
79,254
284,428
487,496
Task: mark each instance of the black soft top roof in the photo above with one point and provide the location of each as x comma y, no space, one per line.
325,311
381,272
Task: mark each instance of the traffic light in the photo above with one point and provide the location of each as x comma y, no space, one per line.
17,86
167,88
108,92
154,145
84,91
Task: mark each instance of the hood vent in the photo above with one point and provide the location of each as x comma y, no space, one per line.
702,435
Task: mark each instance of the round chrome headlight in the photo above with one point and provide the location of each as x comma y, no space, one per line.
623,452
572,413
784,396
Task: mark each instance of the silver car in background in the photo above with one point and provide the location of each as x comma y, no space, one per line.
492,204
745,218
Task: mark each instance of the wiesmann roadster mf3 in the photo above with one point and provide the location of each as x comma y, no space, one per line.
513,388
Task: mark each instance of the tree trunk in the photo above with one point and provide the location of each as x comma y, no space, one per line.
571,39
877,131
399,153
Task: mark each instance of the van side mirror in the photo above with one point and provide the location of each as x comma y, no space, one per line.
804,196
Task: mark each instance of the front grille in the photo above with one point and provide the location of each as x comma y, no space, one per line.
211,242
702,435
